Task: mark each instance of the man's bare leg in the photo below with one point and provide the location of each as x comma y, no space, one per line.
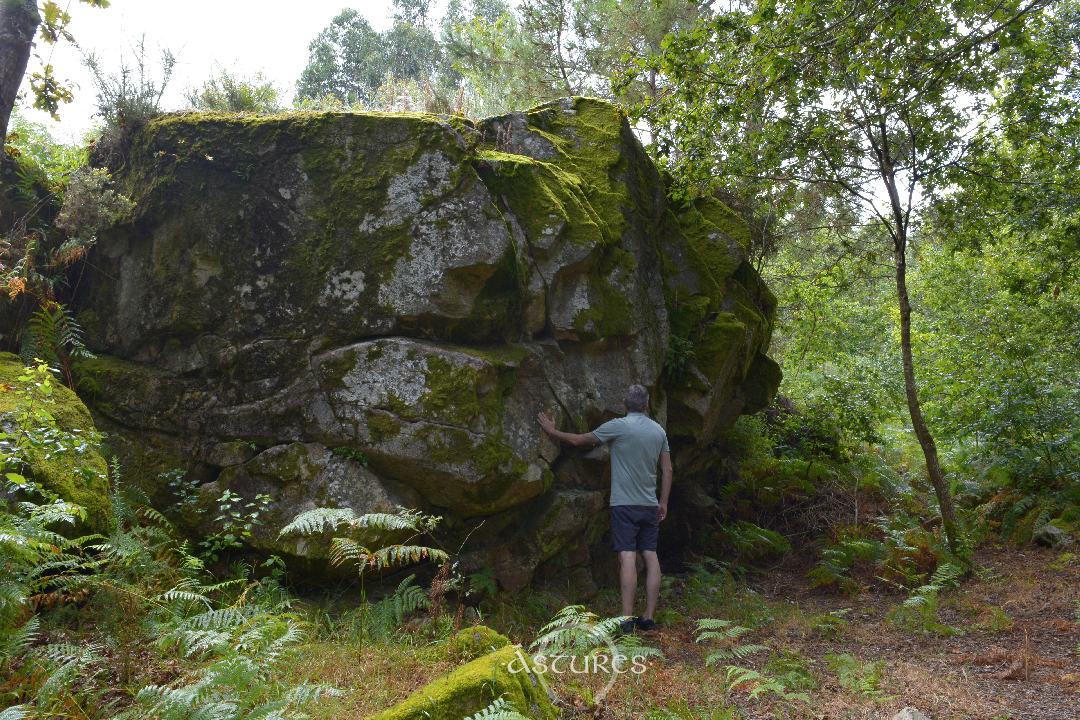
652,583
628,580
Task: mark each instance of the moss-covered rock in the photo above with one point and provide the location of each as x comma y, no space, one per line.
69,462
409,290
505,673
435,417
472,642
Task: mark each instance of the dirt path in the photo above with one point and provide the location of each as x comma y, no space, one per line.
1007,646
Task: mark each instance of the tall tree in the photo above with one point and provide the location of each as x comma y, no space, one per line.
19,20
545,49
866,104
412,12
346,61
349,60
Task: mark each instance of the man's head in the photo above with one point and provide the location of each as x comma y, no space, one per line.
637,399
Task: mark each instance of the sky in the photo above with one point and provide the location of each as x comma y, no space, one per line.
243,36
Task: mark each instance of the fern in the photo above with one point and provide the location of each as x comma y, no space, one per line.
838,560
947,575
68,662
352,548
710,629
242,645
576,630
17,640
55,337
390,612
760,683
857,676
1011,523
27,549
501,709
401,555
375,541
320,520
235,636
752,542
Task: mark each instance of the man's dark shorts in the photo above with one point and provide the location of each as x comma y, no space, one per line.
634,527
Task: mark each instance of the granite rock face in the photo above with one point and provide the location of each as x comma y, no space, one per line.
369,310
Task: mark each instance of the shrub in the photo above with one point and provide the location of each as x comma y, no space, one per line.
226,92
127,99
33,144
132,95
34,259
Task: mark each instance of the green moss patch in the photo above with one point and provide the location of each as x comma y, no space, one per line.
472,642
544,196
77,473
476,685
382,426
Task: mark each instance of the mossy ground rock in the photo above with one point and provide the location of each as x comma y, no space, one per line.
472,642
70,463
410,290
476,685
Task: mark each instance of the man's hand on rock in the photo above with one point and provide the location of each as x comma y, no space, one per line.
546,422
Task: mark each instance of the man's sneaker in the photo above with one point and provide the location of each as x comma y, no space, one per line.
646,624
627,626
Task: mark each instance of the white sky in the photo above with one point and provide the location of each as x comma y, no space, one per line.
243,36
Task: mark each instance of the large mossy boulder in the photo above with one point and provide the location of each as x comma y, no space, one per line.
506,673
369,309
62,452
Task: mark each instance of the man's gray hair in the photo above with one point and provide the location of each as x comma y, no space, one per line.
637,398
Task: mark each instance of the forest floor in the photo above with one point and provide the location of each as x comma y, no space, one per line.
1006,644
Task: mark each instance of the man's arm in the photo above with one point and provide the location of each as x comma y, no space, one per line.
582,440
665,484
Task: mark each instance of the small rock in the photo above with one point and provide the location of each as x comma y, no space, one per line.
910,713
1051,536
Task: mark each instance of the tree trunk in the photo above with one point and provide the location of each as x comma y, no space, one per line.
918,422
18,23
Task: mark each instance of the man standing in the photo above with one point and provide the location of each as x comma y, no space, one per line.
637,445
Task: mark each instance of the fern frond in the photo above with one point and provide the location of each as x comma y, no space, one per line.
947,575
347,549
319,520
401,555
501,709
151,515
179,594
736,653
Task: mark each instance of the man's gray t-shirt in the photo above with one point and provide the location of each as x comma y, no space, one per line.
636,443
